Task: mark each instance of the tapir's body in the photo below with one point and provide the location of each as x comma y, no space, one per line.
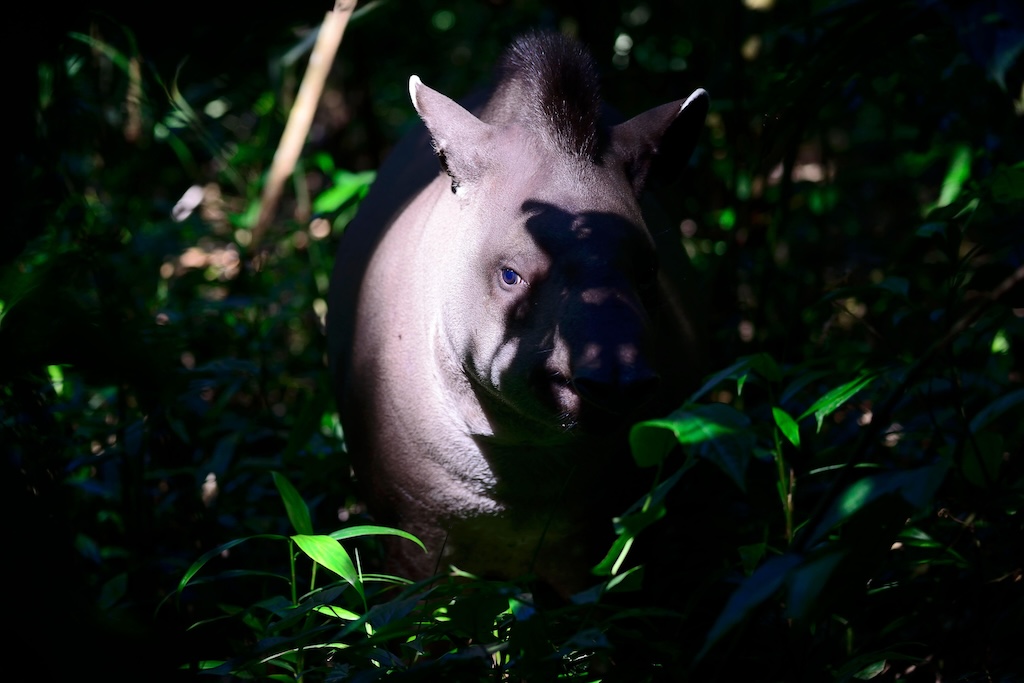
495,326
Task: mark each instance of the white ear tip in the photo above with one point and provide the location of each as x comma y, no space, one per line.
699,93
414,82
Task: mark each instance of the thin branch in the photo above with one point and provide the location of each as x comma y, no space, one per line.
301,116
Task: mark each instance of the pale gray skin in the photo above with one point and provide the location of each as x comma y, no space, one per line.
494,330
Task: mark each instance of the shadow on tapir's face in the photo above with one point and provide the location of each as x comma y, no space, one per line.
575,354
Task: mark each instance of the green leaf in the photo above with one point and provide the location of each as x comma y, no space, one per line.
787,425
336,612
995,409
638,517
731,452
1000,343
115,56
753,591
916,486
329,553
370,530
958,173
347,186
837,397
628,581
298,513
208,555
628,527
652,440
806,581
762,363
871,670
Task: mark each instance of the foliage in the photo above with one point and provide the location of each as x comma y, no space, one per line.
839,501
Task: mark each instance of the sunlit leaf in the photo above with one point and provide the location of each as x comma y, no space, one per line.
347,186
837,397
787,425
369,530
1000,343
915,486
294,505
652,440
644,512
957,174
336,612
329,553
628,526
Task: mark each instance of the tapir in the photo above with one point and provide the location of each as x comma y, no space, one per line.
500,313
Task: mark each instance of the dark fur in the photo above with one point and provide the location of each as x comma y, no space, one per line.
550,83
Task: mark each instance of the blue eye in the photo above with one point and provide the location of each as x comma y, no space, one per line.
510,277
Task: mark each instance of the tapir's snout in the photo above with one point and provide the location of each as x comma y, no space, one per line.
611,368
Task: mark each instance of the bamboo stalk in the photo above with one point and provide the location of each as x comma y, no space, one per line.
301,116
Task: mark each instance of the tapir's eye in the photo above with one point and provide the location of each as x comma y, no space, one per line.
510,277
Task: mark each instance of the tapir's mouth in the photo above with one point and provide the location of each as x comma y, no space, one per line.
578,414
543,409
547,406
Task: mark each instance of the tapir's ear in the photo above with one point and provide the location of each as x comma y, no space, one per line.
660,139
460,139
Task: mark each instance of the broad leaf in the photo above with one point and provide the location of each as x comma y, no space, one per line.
807,580
652,440
347,186
298,513
328,552
917,487
753,591
787,425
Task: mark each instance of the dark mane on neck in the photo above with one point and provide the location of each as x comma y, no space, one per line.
549,83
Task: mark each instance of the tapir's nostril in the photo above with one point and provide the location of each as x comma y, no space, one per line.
621,395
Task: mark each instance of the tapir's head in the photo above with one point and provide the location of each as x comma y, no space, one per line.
555,307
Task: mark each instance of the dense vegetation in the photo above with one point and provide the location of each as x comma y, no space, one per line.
840,501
